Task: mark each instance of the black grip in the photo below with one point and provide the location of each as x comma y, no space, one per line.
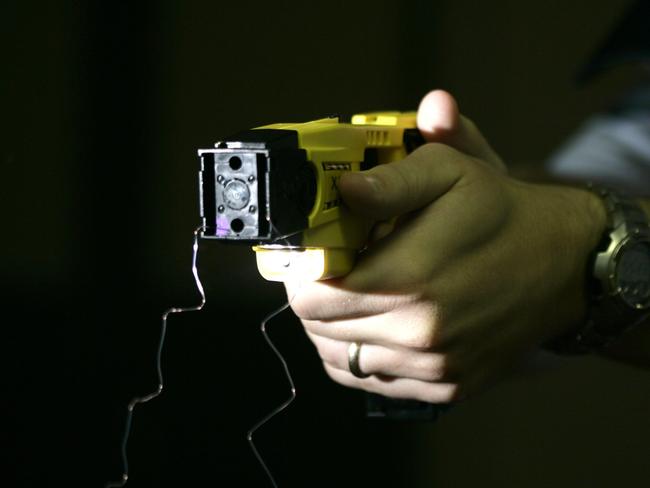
378,406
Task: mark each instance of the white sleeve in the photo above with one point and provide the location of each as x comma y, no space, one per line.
611,149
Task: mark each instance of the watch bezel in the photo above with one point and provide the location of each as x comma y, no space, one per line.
607,263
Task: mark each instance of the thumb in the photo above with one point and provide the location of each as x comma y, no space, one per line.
391,190
439,120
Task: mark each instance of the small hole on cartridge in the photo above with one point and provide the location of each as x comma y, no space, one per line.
237,225
235,163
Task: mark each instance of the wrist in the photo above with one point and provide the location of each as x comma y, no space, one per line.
617,280
566,225
587,228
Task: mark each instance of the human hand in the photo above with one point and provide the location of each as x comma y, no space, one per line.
479,269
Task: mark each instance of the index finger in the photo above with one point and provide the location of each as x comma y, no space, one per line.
330,300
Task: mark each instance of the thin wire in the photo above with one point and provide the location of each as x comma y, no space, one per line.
285,237
146,398
163,332
280,408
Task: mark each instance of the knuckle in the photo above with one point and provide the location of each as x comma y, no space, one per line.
424,333
300,308
435,368
423,338
311,300
309,308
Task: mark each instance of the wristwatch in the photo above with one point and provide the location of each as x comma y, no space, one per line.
619,285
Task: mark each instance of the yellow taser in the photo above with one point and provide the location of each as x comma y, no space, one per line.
276,187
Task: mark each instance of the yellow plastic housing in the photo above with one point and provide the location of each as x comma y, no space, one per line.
334,235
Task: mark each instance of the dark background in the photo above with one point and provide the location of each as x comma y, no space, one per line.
104,105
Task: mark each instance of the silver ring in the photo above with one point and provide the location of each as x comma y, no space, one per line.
353,360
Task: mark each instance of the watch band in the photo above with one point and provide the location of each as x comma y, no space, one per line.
608,316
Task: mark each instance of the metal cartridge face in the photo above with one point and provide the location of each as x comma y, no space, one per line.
256,187
233,189
236,191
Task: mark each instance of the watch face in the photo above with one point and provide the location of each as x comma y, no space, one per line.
633,274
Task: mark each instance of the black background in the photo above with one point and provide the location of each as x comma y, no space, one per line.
103,107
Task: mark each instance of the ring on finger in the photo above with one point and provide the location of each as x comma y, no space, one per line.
354,350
